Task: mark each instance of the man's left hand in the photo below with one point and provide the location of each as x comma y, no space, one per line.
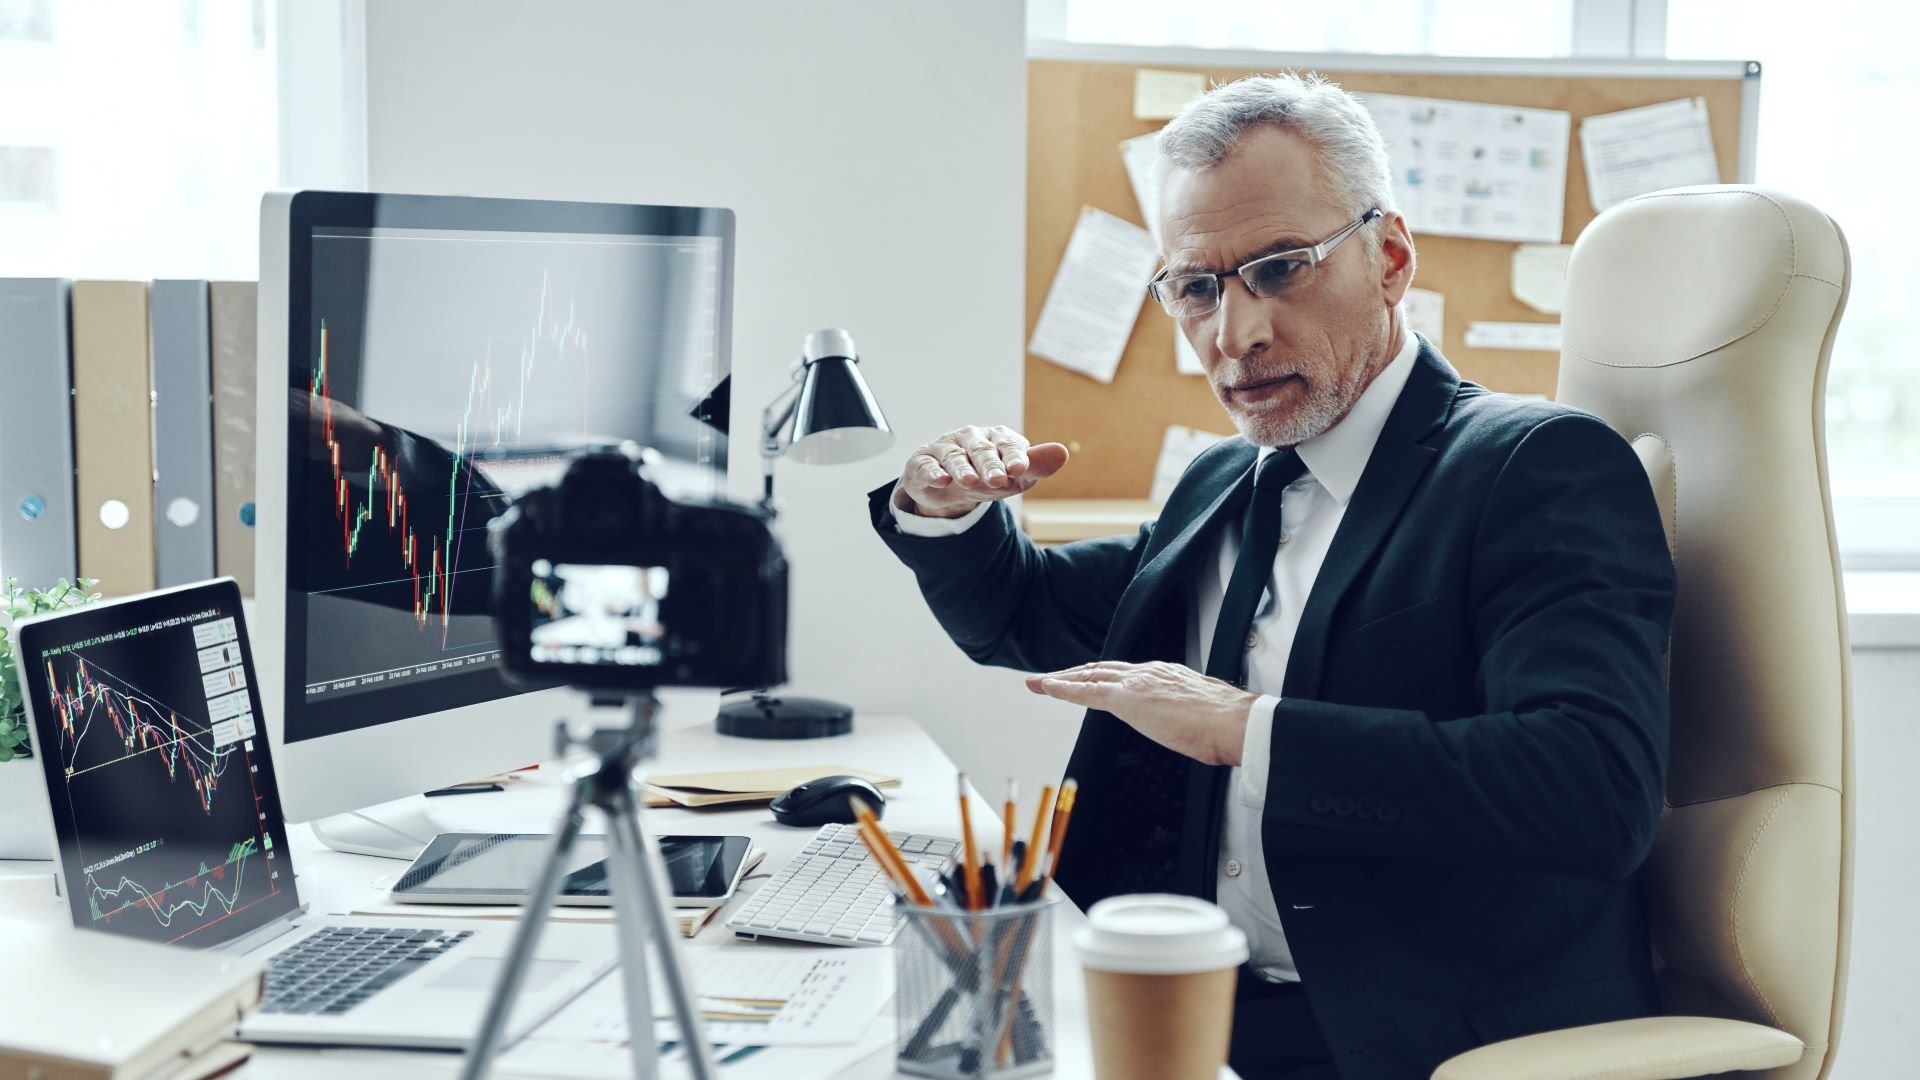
1172,704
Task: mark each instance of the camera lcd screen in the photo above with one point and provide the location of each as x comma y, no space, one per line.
597,614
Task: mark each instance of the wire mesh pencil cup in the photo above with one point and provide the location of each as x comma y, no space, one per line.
974,998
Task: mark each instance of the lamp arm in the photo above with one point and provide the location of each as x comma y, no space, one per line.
775,420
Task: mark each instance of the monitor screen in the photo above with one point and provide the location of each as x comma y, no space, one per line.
446,355
165,804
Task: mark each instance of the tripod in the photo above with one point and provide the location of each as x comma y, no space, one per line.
635,877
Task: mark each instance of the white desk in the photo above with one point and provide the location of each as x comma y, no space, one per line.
332,882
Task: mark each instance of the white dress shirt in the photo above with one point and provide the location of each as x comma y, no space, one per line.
1310,513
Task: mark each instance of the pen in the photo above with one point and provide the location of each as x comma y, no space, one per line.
464,789
1007,892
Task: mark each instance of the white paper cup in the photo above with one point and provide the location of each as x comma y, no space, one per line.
1160,973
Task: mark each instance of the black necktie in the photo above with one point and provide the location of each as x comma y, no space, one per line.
1259,543
1227,659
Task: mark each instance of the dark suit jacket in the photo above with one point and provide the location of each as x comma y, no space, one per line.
1469,755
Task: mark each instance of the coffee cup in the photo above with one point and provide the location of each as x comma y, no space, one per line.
1160,973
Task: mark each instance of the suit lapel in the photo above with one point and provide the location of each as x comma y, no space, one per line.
1399,459
1184,521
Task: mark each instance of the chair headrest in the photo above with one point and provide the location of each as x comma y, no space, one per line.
1700,268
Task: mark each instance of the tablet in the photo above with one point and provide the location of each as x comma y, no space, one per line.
499,868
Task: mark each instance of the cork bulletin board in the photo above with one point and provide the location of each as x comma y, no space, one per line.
1080,110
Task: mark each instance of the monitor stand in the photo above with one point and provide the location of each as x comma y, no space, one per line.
401,829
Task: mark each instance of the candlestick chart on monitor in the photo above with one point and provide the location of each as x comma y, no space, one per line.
447,374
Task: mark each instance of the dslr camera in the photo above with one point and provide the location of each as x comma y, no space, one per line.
604,582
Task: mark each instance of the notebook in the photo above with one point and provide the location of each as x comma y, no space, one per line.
108,1006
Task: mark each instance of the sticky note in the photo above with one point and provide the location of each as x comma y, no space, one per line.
1160,95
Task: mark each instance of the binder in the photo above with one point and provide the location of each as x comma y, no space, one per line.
234,306
182,433
113,434
37,542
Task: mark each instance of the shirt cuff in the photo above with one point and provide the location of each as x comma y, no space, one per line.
1256,751
912,524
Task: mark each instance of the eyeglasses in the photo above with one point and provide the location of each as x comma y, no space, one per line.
1189,296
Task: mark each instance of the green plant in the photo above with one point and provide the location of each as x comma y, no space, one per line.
20,603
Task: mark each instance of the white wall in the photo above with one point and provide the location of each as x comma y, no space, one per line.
1880,1035
875,154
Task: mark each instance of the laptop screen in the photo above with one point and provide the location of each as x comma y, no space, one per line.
145,721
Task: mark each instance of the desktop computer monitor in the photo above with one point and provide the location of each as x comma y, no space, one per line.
424,359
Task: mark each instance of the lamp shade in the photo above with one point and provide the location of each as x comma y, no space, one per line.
836,419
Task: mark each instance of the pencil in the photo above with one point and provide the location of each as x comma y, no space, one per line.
1031,865
1062,813
1006,826
892,863
971,869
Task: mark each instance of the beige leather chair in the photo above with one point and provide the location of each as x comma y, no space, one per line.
1698,323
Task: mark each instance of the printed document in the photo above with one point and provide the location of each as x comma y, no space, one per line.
1096,295
1465,168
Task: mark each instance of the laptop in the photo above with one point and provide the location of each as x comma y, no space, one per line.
167,825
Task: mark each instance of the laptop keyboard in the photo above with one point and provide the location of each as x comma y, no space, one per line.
339,967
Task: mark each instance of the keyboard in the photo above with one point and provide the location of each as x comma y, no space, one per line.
339,967
833,893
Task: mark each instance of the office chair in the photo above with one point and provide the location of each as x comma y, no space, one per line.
1698,322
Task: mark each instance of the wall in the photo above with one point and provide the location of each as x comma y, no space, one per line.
1880,1035
875,154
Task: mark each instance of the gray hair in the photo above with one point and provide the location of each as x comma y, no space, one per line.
1352,155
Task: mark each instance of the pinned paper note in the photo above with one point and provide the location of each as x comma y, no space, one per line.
1530,336
1647,149
1185,360
1178,448
1540,276
1160,95
1141,155
1425,312
1096,294
1466,168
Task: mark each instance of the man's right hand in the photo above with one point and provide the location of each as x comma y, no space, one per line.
951,475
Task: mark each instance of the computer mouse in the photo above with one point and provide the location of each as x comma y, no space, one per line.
825,801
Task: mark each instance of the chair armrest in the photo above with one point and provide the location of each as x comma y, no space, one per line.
1651,1048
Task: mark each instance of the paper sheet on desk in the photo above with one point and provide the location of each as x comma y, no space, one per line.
1635,151
538,1056
756,994
1096,295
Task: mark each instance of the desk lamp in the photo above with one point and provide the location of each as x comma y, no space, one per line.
826,417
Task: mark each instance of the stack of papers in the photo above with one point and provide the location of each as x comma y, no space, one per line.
746,785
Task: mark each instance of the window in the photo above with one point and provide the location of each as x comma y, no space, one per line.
1833,90
1836,94
136,137
1444,27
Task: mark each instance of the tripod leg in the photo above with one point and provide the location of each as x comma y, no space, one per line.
526,940
629,927
643,878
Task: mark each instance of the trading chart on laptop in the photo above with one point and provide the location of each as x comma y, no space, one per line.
162,789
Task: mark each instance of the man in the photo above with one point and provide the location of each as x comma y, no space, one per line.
1385,677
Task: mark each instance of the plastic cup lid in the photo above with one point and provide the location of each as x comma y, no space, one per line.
1159,934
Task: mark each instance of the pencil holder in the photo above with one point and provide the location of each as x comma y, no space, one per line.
974,997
